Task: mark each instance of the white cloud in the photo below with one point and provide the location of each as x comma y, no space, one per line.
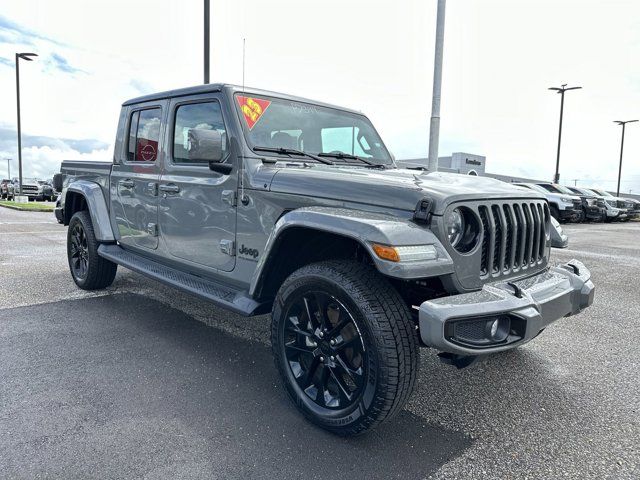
375,56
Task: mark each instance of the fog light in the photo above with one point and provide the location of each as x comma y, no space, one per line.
498,328
494,328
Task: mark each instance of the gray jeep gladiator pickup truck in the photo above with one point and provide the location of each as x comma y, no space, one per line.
262,202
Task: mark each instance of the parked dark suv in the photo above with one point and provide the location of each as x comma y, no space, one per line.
6,190
593,207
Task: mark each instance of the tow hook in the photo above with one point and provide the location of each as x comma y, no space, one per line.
575,268
517,291
458,361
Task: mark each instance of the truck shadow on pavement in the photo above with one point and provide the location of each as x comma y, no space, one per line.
123,386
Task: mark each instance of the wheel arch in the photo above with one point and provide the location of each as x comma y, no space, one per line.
312,234
83,195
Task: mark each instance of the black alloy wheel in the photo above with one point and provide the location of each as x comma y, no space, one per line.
345,345
324,350
88,269
79,252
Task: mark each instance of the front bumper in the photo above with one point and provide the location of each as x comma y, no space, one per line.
534,303
569,214
595,213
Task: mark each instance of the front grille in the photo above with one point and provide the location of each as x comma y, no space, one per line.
29,189
577,204
513,236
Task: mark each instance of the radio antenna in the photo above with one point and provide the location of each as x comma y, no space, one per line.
243,49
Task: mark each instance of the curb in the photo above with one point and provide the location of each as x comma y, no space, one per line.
13,207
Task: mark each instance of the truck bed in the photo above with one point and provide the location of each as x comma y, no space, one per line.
97,171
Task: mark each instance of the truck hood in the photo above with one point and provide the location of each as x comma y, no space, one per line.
392,188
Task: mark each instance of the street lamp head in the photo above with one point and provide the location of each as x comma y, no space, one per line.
27,56
622,122
564,88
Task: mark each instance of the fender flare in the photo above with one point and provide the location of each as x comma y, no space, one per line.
366,228
92,193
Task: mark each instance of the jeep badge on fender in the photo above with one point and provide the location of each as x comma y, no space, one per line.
249,252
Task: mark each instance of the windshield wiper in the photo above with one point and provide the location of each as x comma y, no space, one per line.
292,151
348,156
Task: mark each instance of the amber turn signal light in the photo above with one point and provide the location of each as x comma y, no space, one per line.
386,253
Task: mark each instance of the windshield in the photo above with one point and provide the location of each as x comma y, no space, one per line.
602,193
535,187
337,135
548,187
563,189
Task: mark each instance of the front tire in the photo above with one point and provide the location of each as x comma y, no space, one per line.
555,213
89,270
345,346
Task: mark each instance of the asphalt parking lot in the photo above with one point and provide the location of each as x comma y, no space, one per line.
142,381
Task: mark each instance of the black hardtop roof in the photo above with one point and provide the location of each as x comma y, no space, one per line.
218,87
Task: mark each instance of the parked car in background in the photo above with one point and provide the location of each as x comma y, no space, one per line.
35,189
563,207
7,190
588,194
47,191
592,208
626,205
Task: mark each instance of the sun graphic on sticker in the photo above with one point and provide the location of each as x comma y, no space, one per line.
252,109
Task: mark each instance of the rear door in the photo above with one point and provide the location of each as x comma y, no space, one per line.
134,178
197,206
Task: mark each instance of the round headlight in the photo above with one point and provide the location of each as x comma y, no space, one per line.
454,226
462,228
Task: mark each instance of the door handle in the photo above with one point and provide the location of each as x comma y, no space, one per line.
169,188
126,183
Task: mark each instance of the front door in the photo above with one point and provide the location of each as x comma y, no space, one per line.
134,179
197,206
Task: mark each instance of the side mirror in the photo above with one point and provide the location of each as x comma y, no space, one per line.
206,146
57,182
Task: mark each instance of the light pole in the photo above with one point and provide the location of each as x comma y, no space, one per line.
206,40
560,90
434,130
27,57
623,123
9,169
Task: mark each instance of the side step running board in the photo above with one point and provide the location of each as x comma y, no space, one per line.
227,297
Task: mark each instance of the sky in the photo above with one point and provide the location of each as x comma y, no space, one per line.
500,57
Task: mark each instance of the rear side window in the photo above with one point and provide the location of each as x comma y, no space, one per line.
144,135
196,116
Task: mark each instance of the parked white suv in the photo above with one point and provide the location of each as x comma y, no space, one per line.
563,207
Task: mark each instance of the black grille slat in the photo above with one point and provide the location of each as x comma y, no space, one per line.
484,265
501,237
499,240
520,243
513,239
543,230
526,249
536,232
492,241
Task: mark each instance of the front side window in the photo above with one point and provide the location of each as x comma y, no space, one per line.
144,135
280,123
204,117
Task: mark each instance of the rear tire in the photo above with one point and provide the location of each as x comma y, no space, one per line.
345,346
89,270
